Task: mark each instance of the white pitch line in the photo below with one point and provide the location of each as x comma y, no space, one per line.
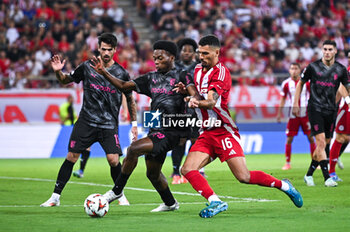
136,189
139,204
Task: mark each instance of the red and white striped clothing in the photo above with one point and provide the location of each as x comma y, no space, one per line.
288,91
218,78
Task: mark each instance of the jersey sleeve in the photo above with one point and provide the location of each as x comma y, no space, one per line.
306,74
284,90
126,77
78,74
219,80
143,84
308,87
345,79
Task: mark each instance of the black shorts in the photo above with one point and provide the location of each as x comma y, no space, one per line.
163,141
194,132
84,135
321,122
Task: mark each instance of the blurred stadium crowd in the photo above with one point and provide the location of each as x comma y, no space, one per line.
260,37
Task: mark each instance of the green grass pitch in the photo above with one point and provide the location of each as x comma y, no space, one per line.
26,183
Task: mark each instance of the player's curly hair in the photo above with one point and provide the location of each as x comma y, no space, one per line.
108,38
187,41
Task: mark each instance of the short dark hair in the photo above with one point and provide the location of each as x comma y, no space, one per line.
108,38
167,46
330,42
210,40
295,63
187,41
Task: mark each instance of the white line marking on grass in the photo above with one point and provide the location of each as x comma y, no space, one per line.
131,204
240,199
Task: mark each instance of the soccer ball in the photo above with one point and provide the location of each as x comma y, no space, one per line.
96,205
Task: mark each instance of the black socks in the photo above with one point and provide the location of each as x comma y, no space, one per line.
324,168
120,183
167,196
115,172
63,176
312,168
83,159
177,155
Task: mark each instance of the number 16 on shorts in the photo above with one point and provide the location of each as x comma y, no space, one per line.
226,143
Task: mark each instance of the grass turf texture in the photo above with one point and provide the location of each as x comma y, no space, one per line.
325,209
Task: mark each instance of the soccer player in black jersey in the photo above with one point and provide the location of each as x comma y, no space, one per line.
159,87
187,62
325,77
98,118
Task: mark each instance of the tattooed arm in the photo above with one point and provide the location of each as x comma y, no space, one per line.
131,106
209,103
132,111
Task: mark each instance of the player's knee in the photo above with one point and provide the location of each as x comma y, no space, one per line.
342,138
72,157
113,161
321,144
133,152
184,170
347,138
243,178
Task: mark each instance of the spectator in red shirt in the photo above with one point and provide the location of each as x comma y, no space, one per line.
63,45
338,10
48,40
44,12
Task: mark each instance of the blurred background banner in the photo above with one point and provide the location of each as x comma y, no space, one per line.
51,140
42,106
35,105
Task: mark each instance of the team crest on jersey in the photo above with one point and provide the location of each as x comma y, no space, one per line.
172,81
72,143
335,77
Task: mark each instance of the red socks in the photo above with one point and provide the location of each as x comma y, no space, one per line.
288,152
263,179
312,149
199,183
333,156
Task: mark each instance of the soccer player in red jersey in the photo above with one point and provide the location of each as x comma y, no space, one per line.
287,93
342,138
213,82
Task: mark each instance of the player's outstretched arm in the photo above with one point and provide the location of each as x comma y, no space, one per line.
57,66
119,84
209,103
296,108
180,88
